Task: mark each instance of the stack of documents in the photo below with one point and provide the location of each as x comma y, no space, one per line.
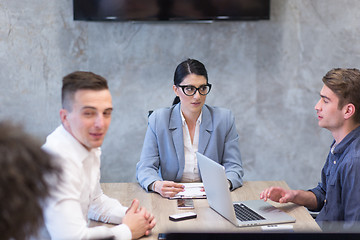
192,190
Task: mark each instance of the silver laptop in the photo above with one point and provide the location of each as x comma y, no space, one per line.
257,212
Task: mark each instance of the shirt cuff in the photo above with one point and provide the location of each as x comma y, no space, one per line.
230,184
320,198
151,186
122,232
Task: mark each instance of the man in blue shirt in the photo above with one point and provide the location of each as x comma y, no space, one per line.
337,195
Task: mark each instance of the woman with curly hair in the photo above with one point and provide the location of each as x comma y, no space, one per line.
24,171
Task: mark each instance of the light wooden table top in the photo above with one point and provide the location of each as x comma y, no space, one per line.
207,220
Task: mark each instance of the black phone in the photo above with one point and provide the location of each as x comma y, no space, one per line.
185,203
162,236
182,216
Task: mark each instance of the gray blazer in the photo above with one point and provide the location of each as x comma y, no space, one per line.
162,156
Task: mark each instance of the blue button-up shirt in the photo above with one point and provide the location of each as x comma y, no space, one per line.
338,193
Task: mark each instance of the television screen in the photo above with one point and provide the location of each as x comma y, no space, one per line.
171,10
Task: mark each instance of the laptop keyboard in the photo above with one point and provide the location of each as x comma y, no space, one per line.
243,213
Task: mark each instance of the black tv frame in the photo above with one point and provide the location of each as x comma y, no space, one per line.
86,10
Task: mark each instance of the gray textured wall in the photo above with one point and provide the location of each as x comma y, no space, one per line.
268,73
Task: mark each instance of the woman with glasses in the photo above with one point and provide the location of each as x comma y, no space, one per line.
175,134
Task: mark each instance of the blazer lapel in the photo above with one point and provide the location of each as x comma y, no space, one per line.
206,129
175,126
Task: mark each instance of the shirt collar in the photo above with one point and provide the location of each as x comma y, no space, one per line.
340,147
198,121
78,149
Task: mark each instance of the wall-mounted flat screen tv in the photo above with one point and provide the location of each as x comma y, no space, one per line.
171,10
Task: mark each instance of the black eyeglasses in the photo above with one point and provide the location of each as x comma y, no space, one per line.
190,90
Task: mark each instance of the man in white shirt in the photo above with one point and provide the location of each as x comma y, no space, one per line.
75,145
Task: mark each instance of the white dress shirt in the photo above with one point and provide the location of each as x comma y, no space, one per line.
191,170
78,197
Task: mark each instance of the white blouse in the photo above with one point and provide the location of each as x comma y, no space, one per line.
191,170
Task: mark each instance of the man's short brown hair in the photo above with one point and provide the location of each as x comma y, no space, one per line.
345,83
80,81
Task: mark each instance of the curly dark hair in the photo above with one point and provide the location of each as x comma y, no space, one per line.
24,170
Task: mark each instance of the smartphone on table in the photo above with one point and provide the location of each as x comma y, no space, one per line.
185,203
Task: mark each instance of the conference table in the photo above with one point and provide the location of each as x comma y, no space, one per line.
207,219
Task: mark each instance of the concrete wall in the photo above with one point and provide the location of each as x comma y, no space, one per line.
267,72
